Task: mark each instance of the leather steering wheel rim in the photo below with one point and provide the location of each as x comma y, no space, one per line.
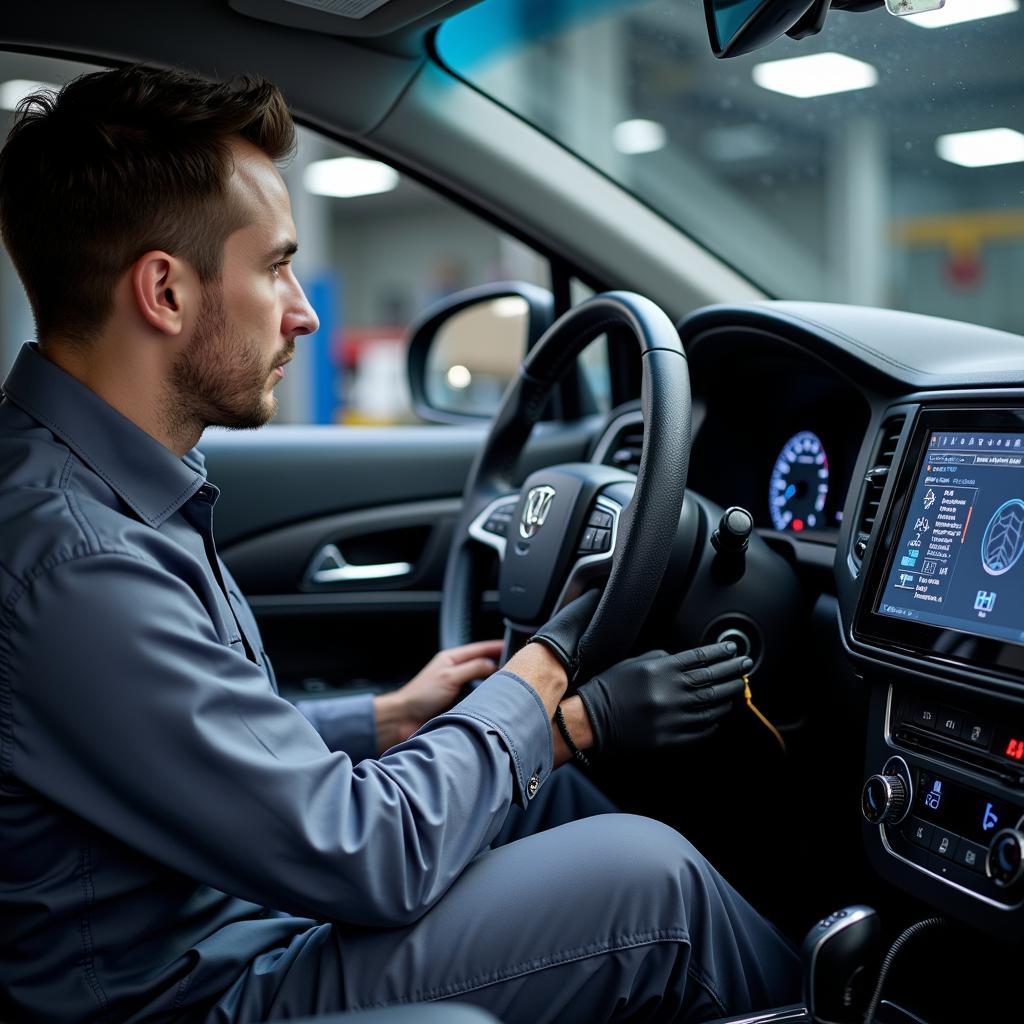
647,524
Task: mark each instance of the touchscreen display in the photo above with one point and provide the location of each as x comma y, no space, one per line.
958,561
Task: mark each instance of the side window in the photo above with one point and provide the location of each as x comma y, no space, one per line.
594,368
375,249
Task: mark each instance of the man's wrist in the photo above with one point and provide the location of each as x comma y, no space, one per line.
392,720
574,714
536,665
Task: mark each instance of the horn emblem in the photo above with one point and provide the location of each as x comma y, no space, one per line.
538,502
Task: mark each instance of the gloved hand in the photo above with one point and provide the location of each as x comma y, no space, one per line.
663,700
563,631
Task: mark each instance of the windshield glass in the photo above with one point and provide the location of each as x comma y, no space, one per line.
851,175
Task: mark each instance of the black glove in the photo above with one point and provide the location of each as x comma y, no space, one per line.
663,700
561,635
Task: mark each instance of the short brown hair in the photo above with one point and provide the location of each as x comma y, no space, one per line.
117,163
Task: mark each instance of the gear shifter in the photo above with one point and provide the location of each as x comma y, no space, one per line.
835,955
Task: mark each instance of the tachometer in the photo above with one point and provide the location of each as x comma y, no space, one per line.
799,484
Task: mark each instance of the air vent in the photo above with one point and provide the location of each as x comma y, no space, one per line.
625,451
874,484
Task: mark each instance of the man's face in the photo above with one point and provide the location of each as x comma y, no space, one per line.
247,323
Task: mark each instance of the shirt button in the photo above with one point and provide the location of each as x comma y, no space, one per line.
532,786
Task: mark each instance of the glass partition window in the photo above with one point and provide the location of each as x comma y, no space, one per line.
878,163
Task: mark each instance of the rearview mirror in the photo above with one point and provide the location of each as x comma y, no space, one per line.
740,26
464,350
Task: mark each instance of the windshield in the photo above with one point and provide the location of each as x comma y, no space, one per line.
885,167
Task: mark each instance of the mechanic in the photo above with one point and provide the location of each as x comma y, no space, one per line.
178,842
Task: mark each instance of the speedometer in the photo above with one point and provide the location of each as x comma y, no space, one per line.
799,484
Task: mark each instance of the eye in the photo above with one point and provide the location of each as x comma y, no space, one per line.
275,268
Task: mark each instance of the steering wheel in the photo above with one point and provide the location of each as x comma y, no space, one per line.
571,523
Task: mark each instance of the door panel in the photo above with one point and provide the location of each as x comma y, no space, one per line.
379,496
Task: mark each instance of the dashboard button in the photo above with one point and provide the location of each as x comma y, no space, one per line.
949,722
919,832
587,544
977,733
970,855
943,843
926,714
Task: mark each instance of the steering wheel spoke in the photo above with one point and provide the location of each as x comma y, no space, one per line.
491,526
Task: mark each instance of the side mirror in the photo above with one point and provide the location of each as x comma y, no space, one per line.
466,348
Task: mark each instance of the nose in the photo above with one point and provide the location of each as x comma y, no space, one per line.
300,318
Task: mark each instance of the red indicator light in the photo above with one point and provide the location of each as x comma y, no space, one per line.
1015,749
798,525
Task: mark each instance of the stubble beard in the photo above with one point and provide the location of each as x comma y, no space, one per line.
221,378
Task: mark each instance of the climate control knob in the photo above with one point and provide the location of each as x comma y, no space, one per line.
884,799
1005,861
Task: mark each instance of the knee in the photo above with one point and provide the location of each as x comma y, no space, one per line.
645,842
643,860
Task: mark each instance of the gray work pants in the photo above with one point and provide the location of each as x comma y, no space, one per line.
573,914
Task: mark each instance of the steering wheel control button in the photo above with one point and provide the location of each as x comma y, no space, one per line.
602,520
1005,861
589,539
532,786
919,832
884,799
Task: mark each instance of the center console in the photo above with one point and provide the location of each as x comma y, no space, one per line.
935,623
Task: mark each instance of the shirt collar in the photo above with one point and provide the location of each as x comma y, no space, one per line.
148,477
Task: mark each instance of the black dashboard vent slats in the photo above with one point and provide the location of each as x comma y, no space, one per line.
874,480
627,448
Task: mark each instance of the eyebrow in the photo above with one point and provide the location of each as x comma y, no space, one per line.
282,250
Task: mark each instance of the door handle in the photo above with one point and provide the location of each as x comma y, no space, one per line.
329,566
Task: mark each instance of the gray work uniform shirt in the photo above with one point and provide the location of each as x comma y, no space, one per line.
165,816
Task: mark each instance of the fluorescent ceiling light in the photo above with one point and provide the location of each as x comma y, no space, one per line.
15,90
348,176
982,149
818,74
638,136
957,11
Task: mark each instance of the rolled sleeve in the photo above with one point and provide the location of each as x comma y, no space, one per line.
129,710
347,723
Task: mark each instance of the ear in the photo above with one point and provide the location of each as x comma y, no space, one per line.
163,287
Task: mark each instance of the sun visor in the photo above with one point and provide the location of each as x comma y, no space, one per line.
343,17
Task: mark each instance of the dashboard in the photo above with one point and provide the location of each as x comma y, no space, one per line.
792,419
903,436
923,422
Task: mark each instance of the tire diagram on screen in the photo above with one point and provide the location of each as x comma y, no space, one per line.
1003,541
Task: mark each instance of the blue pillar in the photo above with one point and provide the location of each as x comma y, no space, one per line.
325,377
